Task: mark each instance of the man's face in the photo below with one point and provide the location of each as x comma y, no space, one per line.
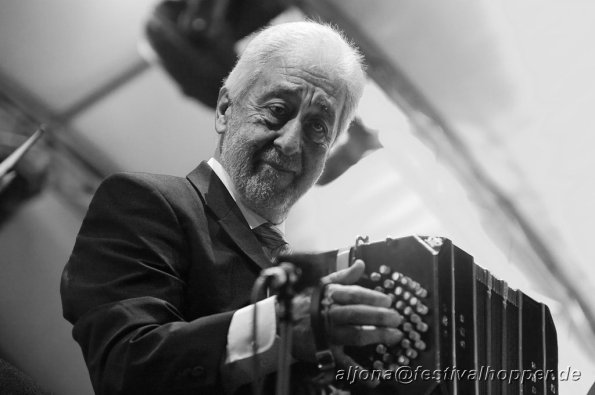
276,138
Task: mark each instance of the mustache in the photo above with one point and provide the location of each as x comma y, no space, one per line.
291,163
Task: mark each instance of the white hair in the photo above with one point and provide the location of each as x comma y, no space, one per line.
287,38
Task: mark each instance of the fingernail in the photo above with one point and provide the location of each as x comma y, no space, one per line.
395,320
387,301
395,336
399,319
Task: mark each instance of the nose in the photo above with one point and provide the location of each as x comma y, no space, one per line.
289,139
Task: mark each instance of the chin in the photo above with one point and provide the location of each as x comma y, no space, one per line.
269,200
268,192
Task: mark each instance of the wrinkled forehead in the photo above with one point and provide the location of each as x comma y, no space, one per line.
301,73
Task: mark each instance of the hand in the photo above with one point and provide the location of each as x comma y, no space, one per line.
357,316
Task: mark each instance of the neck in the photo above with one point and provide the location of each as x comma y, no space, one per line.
273,215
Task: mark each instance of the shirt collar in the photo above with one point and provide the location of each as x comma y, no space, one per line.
254,220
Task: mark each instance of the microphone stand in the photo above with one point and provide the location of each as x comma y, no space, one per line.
285,298
284,277
11,160
7,174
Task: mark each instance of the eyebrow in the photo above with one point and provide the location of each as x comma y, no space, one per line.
325,107
289,90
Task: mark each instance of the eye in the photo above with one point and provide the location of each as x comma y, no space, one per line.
318,132
278,110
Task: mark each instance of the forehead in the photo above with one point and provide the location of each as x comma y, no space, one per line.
316,83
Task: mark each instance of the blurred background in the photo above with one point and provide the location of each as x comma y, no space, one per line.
476,124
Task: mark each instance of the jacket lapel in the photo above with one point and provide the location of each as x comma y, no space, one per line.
218,199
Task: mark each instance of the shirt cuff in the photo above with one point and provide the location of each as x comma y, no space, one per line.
239,336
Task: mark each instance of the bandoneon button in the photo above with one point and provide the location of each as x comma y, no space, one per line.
420,345
389,284
381,349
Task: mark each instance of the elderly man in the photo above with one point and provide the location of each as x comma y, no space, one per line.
159,280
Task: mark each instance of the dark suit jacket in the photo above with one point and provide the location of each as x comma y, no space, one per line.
159,267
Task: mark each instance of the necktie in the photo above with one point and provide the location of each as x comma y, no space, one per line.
272,240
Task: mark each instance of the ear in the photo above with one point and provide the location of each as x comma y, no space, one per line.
222,111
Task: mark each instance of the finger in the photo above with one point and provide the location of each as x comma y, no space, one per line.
362,335
349,275
354,294
364,315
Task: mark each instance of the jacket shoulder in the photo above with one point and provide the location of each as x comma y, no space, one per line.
166,184
178,192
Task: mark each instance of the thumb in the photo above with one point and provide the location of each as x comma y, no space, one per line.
349,275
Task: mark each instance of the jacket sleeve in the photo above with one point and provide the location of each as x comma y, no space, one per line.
123,290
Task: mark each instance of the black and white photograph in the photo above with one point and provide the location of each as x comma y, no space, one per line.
297,197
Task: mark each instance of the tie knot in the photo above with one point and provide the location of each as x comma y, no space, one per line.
271,239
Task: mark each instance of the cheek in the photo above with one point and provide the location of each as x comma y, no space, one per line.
254,133
246,138
315,162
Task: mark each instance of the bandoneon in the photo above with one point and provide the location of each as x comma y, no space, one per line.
464,331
